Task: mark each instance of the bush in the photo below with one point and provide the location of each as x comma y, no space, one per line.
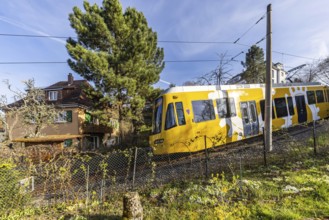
12,195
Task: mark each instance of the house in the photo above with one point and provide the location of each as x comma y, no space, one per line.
237,79
278,75
73,126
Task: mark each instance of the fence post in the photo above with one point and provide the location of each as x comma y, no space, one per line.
264,148
134,171
206,153
314,139
87,185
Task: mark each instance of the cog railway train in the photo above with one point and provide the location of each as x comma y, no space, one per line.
183,116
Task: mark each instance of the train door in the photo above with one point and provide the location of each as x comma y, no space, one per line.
301,108
249,118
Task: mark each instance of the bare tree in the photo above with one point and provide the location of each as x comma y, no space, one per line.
310,73
29,109
219,75
323,71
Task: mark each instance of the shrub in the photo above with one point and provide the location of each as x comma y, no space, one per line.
12,195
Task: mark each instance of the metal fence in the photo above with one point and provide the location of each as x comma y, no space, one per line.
91,175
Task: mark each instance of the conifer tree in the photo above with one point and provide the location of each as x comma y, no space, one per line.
255,65
118,53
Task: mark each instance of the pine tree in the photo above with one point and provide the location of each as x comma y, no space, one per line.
118,53
255,65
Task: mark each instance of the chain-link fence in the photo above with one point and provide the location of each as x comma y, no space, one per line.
90,175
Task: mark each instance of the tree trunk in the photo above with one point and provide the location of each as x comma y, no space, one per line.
132,207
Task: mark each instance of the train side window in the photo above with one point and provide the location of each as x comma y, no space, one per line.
232,107
180,113
244,112
222,107
170,117
319,96
281,107
253,111
310,97
262,109
290,106
203,110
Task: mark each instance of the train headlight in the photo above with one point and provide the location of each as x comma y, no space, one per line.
159,141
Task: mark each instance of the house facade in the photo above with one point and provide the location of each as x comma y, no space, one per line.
73,125
278,73
278,76
2,132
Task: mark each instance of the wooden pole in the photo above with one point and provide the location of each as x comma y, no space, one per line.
268,82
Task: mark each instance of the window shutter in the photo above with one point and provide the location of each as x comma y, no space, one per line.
69,116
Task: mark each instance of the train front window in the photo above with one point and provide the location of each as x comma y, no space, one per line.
203,110
170,117
157,116
180,113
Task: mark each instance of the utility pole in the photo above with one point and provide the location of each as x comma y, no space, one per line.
268,82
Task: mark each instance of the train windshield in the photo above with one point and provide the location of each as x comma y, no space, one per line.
157,116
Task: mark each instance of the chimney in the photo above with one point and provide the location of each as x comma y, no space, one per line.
70,79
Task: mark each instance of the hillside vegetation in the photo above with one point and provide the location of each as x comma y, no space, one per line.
294,188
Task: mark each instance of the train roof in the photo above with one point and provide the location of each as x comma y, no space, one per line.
177,89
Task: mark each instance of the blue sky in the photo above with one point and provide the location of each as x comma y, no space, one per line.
300,28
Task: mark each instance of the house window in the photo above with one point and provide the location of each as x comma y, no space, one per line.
91,119
92,142
88,117
203,110
68,143
64,116
53,95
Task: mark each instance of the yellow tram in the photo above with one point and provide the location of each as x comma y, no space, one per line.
188,118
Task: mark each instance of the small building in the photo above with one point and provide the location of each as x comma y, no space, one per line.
74,124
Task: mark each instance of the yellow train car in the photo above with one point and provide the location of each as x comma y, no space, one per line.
190,118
